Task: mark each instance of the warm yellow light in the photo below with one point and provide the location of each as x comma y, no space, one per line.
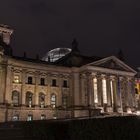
16,79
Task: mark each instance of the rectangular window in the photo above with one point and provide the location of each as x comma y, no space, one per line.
65,83
16,79
95,90
42,81
64,100
104,91
43,117
54,82
53,100
30,80
30,118
15,118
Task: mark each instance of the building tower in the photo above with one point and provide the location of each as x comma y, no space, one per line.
5,38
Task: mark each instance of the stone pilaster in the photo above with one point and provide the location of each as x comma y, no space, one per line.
23,80
2,83
8,98
71,100
36,93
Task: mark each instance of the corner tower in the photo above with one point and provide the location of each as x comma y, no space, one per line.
5,38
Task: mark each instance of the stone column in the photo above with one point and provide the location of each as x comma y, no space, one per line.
91,93
103,92
120,94
129,97
108,91
95,91
82,89
112,91
99,84
76,88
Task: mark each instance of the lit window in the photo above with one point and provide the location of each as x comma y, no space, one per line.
53,100
95,90
41,100
29,96
64,100
43,117
111,88
54,116
30,80
104,91
29,117
16,79
15,118
42,81
15,98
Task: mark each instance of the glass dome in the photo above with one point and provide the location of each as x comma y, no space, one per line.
56,54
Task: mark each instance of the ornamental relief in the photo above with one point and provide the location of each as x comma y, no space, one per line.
17,87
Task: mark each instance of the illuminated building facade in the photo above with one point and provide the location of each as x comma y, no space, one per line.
72,86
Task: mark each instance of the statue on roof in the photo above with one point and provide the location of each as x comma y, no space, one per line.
75,46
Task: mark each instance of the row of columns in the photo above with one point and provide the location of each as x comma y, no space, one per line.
120,94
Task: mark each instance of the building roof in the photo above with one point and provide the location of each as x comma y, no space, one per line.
75,59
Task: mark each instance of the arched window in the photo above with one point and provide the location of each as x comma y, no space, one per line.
15,98
29,99
41,100
53,100
64,100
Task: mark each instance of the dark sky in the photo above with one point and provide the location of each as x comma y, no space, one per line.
102,27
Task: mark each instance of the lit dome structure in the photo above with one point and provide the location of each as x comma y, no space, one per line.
56,54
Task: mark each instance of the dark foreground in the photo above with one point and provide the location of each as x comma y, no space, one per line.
112,128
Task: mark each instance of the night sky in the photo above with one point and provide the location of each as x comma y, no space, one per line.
101,27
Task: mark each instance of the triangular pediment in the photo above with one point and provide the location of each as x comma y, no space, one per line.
114,63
